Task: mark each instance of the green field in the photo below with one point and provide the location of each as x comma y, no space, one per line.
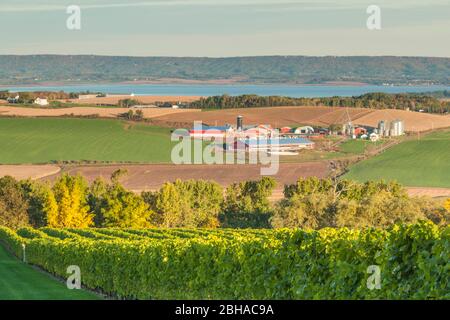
358,146
20,281
43,140
420,163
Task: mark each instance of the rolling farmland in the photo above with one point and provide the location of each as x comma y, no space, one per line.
321,116
423,162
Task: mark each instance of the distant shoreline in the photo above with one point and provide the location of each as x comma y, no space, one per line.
190,82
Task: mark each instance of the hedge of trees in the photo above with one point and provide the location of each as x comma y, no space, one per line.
377,100
310,203
29,97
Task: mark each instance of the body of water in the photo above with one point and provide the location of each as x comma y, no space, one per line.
235,89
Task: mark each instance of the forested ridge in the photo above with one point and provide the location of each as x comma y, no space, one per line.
17,69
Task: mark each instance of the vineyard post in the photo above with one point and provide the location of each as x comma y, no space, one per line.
24,253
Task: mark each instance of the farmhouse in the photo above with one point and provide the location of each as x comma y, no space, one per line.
41,102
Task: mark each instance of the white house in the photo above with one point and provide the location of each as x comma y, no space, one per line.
374,137
41,102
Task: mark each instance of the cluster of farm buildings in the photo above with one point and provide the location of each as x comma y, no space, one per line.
264,136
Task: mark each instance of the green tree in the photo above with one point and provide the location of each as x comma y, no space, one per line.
187,204
114,206
247,204
38,195
310,211
124,209
13,204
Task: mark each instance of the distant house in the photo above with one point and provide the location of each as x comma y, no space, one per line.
374,137
358,131
285,130
13,100
41,101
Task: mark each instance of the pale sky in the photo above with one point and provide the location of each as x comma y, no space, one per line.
218,28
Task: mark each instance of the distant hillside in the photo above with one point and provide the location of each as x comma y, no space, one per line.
270,69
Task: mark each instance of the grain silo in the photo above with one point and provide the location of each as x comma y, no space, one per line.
382,128
397,128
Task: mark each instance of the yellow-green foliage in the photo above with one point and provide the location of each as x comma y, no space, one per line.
66,206
248,264
447,205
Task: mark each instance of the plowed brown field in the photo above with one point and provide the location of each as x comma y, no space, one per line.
151,177
86,111
288,116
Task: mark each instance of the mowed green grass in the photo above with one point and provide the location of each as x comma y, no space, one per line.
43,140
358,146
19,281
415,163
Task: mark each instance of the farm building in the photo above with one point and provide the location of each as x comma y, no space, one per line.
257,131
274,144
393,129
359,131
285,130
304,130
41,102
206,131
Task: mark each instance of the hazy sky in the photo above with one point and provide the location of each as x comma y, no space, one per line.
226,27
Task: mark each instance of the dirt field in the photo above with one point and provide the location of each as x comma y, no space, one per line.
431,192
113,99
275,116
29,171
288,116
414,121
152,177
86,111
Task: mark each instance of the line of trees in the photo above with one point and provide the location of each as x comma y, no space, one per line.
29,97
377,100
310,203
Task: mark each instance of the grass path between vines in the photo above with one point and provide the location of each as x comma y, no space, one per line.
19,281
